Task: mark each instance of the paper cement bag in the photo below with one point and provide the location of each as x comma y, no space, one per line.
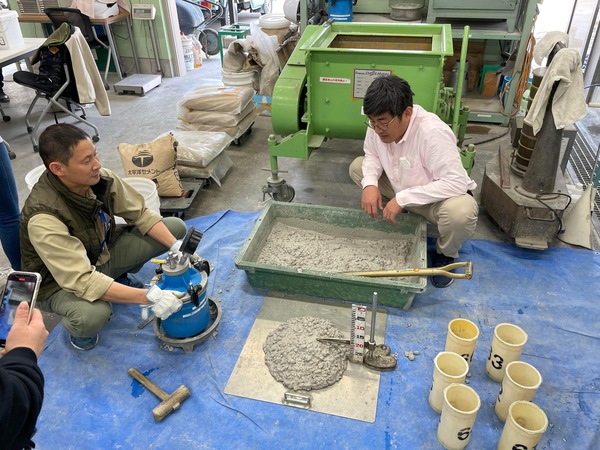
155,160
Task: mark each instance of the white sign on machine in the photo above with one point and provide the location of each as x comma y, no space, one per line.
363,79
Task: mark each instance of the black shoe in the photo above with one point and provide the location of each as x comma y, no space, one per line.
3,97
83,343
130,280
439,260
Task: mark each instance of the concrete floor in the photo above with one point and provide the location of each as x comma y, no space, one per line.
322,179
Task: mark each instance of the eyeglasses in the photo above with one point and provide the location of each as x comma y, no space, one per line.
380,126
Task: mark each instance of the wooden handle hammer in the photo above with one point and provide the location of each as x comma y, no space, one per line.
170,402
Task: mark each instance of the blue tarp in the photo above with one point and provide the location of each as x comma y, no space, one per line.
92,402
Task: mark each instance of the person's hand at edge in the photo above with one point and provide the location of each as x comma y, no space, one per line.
164,303
371,201
32,335
391,210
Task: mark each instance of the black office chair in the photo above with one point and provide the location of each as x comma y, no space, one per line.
75,17
56,83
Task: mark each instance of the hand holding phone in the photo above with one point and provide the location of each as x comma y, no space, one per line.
20,287
28,330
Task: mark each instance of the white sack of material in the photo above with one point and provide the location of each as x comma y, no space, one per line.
214,117
199,148
228,99
216,170
235,56
266,46
235,132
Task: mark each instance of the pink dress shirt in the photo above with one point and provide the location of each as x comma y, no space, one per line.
424,167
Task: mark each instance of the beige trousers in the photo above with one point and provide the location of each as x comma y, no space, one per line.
455,217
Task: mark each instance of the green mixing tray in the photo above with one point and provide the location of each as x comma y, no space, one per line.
397,293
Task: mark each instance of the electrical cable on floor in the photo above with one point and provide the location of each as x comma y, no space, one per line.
214,277
492,138
552,196
227,404
131,66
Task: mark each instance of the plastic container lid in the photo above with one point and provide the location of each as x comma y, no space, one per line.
34,175
6,14
147,188
399,4
273,21
238,75
144,186
238,78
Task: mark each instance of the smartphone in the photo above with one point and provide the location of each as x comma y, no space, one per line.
20,286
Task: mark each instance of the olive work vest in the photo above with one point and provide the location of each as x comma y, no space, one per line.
79,214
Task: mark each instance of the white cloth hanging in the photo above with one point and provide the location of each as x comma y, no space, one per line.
568,103
546,44
90,86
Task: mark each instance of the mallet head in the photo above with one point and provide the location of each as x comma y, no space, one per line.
171,403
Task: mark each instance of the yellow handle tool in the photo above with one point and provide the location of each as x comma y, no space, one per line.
421,272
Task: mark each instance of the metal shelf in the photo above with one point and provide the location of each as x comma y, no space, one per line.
484,30
499,31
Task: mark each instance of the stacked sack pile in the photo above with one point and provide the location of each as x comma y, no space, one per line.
200,154
229,110
258,59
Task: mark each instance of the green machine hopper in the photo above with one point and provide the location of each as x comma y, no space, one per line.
319,93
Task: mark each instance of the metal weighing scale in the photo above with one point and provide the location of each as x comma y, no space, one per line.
139,84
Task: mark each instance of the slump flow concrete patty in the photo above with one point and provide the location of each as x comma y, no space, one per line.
296,359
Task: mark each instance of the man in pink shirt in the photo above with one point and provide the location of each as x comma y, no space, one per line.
412,163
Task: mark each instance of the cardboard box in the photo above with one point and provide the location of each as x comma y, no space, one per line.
490,84
475,54
472,79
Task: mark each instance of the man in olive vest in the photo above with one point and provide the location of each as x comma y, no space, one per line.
68,235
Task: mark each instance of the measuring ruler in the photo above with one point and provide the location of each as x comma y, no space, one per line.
357,332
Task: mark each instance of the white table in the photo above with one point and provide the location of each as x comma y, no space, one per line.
24,52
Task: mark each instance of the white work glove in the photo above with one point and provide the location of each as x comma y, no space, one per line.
176,248
164,303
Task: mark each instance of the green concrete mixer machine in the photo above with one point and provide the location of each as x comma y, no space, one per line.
319,93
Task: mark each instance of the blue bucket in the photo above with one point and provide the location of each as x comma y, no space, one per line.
340,10
190,320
